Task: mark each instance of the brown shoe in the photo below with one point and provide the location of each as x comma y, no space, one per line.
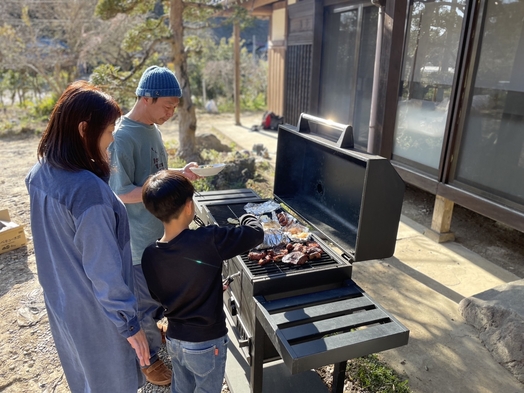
158,373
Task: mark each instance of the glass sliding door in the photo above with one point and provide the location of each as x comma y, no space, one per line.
365,68
337,80
348,56
430,57
490,151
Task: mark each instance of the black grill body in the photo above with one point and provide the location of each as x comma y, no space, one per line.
273,280
314,314
353,198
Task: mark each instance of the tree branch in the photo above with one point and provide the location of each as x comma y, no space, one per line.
148,51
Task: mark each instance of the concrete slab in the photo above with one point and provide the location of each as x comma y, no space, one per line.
244,138
408,228
452,265
444,354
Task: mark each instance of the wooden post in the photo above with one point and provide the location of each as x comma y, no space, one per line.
236,32
254,50
441,221
204,95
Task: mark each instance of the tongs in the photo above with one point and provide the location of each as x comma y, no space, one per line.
199,221
229,279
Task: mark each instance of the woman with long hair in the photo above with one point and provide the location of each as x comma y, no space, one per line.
81,239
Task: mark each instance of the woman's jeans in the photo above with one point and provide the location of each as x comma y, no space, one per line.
197,367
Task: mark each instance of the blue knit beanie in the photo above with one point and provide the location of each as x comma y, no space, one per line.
158,82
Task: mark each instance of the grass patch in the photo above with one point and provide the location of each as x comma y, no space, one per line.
371,374
17,122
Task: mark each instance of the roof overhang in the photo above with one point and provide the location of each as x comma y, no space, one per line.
260,8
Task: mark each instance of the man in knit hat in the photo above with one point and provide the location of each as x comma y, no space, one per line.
136,153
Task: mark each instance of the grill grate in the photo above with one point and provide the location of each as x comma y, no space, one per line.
273,268
220,214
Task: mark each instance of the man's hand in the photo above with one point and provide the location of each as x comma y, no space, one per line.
141,347
189,173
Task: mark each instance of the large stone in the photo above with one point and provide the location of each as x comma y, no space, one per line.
236,173
211,142
498,314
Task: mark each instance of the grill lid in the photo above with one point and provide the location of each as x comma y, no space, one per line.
352,198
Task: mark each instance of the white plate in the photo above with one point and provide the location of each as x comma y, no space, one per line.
208,170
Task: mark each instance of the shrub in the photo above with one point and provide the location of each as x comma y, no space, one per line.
43,108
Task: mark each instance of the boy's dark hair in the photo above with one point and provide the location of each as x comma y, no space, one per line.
165,193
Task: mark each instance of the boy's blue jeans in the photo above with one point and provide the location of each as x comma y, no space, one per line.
197,367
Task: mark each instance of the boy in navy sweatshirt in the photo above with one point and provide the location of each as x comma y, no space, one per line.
183,271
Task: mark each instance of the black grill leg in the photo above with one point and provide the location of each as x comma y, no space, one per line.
257,359
339,375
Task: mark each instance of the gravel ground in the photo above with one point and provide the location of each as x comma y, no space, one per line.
29,358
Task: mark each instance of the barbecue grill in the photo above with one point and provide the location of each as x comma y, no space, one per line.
313,314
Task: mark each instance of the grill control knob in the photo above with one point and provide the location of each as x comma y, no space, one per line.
233,307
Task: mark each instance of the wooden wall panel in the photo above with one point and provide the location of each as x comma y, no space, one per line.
301,23
276,79
298,82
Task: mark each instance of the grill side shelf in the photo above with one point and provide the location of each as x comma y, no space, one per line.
328,327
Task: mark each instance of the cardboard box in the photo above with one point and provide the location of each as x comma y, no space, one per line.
12,235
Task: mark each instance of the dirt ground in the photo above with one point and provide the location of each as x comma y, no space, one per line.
30,362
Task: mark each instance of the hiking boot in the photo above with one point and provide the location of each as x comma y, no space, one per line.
158,373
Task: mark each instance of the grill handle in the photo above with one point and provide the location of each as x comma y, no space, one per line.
345,140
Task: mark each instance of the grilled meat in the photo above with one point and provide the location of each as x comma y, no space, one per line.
256,255
301,253
295,258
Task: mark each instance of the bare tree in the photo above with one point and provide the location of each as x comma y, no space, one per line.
55,39
161,28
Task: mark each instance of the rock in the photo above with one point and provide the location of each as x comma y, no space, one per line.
211,142
237,173
32,310
498,314
258,148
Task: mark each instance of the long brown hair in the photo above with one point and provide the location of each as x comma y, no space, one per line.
62,146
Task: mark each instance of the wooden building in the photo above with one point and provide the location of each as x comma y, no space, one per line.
434,85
